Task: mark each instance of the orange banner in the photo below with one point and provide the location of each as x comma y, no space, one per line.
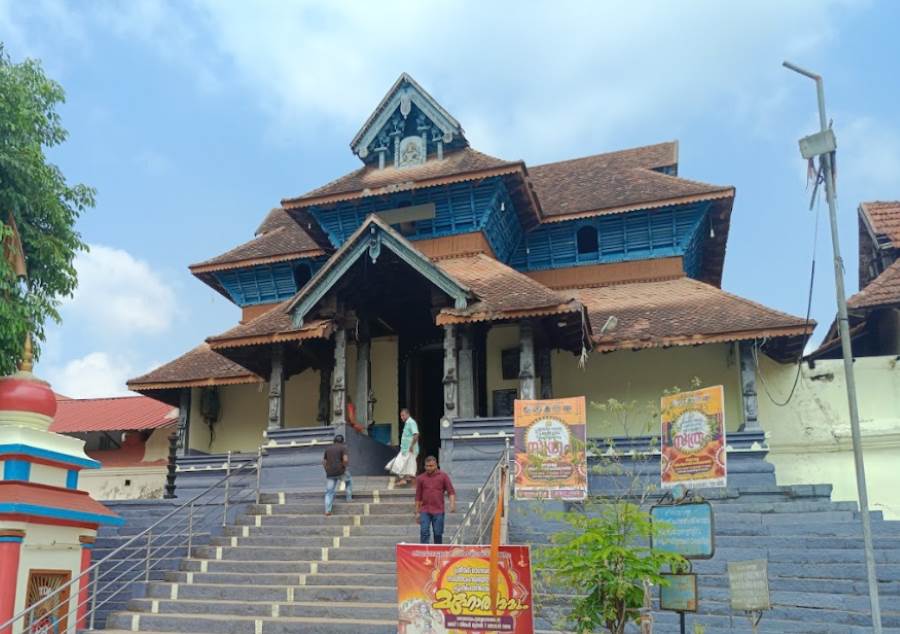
443,589
693,439
551,457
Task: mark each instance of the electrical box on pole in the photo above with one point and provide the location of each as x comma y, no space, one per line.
818,143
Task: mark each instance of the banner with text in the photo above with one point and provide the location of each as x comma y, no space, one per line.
693,439
551,457
443,589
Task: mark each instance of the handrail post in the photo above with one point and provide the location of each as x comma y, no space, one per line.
190,530
94,598
227,489
147,565
258,472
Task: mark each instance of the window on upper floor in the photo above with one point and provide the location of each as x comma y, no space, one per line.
586,241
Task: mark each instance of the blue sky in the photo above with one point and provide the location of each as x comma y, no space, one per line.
192,119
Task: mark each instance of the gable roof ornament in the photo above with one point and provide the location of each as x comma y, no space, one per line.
390,115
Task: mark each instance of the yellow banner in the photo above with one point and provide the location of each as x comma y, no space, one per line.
693,439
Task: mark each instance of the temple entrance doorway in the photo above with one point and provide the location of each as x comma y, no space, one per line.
423,389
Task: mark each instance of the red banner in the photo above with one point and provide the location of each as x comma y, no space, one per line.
443,589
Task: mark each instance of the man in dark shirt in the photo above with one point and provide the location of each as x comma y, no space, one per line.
337,467
430,488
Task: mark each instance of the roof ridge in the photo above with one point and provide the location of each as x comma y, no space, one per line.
101,398
612,153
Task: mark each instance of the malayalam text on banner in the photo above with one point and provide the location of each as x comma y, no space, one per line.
693,438
443,589
551,457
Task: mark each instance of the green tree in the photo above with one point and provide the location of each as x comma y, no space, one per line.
44,206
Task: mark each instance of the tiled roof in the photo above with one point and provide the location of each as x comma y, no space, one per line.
201,366
501,292
884,218
884,290
272,326
456,166
278,239
31,498
616,182
681,312
111,414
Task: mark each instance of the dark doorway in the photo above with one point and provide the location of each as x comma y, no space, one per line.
424,391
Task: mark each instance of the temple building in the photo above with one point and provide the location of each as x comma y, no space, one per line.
450,282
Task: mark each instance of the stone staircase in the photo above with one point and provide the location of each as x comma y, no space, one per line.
282,566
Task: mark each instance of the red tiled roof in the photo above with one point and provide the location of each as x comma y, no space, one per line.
278,239
616,182
501,292
111,414
884,218
23,496
681,312
200,367
884,290
460,165
272,326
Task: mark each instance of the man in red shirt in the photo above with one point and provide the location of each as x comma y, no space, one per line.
430,488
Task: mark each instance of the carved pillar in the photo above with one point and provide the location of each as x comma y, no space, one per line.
466,374
184,421
276,390
748,388
324,396
526,361
339,379
363,369
545,371
450,373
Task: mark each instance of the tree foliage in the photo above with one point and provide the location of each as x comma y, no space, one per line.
44,206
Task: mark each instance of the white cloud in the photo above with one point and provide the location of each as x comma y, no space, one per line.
94,375
120,296
868,159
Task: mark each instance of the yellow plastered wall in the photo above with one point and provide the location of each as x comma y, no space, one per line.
157,445
499,338
301,399
809,438
385,382
243,414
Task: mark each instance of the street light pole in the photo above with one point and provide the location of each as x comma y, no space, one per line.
844,330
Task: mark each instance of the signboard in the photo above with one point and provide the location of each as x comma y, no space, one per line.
749,584
551,461
693,438
689,531
443,589
680,595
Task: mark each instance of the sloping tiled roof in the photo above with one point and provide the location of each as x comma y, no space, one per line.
682,312
460,165
616,182
201,366
274,325
884,290
278,239
124,413
502,292
884,218
31,498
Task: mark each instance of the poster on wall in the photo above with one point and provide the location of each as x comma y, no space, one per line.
551,456
443,589
693,439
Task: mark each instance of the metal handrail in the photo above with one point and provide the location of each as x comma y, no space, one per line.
483,509
147,534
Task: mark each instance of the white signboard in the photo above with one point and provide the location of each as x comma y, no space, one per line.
749,584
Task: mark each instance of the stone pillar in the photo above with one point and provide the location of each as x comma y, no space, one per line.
324,396
276,390
339,379
10,548
748,388
545,371
184,422
466,374
363,368
87,545
526,361
450,372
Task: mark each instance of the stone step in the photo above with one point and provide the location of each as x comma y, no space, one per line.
336,530
812,570
367,495
233,624
379,579
810,529
267,609
243,592
260,553
289,567
336,541
340,508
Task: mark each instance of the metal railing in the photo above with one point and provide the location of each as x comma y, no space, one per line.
74,606
475,527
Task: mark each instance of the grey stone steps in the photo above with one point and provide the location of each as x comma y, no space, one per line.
234,624
407,518
258,592
275,567
340,508
810,529
290,497
338,530
286,579
319,541
268,609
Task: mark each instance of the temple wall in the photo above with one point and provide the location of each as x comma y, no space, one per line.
810,437
642,377
301,399
124,483
243,410
385,382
